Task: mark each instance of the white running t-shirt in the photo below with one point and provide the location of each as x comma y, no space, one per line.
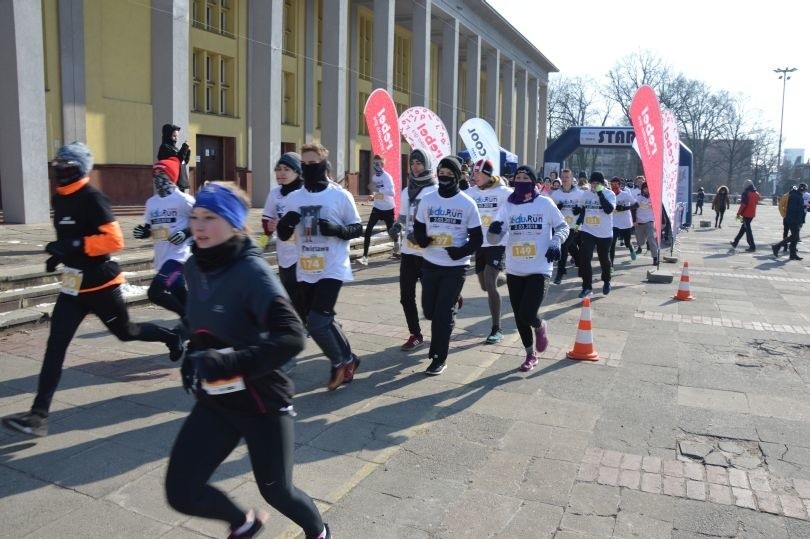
624,219
597,223
529,228
409,211
166,215
489,202
447,221
274,208
568,201
383,191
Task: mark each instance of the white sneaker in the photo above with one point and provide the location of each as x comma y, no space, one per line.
363,261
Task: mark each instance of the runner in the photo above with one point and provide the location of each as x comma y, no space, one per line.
566,198
622,218
532,225
87,233
324,218
166,222
448,228
421,182
383,206
645,224
490,195
596,230
243,330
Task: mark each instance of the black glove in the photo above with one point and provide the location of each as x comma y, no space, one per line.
456,253
553,254
621,207
212,364
395,231
286,225
188,375
51,263
141,232
61,248
495,227
327,228
576,210
178,237
560,206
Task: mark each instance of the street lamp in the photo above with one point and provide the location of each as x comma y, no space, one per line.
784,76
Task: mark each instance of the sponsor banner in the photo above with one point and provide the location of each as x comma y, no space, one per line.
424,130
481,142
645,114
383,130
606,137
669,182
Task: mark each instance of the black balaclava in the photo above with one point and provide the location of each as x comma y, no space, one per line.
524,191
417,183
315,179
448,185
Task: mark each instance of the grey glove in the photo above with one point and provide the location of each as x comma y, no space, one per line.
395,231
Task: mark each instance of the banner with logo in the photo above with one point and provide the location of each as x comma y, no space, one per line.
383,130
424,130
645,114
481,142
669,183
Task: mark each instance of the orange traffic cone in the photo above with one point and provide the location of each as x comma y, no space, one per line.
583,346
683,287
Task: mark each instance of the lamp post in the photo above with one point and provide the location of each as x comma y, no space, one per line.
784,76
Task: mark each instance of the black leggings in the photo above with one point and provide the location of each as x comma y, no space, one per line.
376,215
410,271
168,288
108,304
625,234
602,245
441,286
206,439
570,247
718,218
318,301
526,295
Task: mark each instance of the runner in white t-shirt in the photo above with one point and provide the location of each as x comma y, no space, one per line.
566,198
166,222
421,183
534,231
489,194
448,227
622,217
382,184
323,218
288,176
596,231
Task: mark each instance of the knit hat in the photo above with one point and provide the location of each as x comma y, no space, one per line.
73,162
169,166
583,175
529,171
597,176
485,166
452,163
291,160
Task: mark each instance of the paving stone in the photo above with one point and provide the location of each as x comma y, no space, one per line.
593,455
651,482
705,518
631,462
695,450
767,502
651,464
592,499
716,458
802,486
635,525
629,478
674,486
744,498
759,480
673,468
696,490
608,476
588,524
730,447
611,459
747,463
738,478
693,470
720,494
792,506
588,472
717,475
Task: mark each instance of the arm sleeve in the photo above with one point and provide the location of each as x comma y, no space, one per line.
476,239
606,205
352,227
109,238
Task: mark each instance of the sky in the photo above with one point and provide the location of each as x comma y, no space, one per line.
732,46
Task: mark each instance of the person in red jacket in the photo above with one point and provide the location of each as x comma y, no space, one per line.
745,214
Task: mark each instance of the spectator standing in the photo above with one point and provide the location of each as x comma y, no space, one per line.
794,219
720,204
168,149
746,214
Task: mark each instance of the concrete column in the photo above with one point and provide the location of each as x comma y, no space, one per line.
264,79
508,105
382,56
542,121
493,86
333,108
72,69
23,145
420,54
448,79
310,44
473,76
170,68
520,116
531,137
354,105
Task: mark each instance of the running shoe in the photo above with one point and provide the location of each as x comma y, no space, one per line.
541,337
413,342
495,337
29,423
529,364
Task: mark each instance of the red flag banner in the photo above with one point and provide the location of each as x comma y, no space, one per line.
383,130
645,113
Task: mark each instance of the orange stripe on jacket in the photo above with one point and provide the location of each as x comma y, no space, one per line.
109,241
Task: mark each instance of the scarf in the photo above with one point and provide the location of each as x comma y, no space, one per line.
218,256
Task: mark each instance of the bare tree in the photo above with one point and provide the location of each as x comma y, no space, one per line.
631,73
573,102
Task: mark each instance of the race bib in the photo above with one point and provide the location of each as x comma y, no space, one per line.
226,385
524,251
442,240
413,245
71,281
312,264
569,219
486,220
378,196
160,233
593,220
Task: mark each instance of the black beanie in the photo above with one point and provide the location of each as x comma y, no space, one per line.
597,176
527,170
452,163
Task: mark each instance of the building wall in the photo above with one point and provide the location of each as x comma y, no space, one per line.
53,89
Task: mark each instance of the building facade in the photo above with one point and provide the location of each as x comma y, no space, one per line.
247,80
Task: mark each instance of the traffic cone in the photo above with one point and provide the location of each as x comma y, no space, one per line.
683,287
583,347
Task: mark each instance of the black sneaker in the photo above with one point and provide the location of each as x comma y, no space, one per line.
558,279
29,423
325,534
176,348
751,250
436,367
259,518
775,249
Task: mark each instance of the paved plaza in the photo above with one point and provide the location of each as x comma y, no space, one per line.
695,421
